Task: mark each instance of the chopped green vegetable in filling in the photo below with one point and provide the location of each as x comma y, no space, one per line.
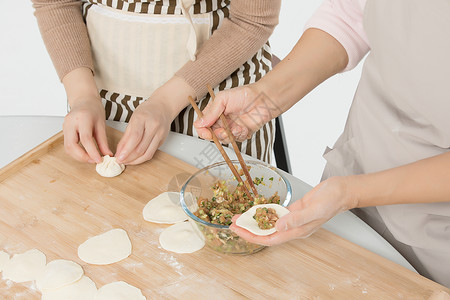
258,181
265,217
224,204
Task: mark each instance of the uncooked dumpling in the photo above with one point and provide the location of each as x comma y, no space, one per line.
247,221
119,290
109,167
59,273
83,289
181,238
106,248
4,257
165,209
25,266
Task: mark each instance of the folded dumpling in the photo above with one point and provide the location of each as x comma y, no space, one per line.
109,167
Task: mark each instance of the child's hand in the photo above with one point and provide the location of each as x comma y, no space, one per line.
150,123
246,109
148,128
85,124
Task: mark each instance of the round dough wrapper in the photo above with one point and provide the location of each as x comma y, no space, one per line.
106,248
83,289
119,290
25,266
164,209
4,258
246,220
59,273
181,238
109,167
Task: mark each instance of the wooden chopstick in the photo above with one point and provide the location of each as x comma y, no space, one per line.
235,147
222,151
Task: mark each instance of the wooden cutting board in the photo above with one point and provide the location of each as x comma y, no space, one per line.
50,202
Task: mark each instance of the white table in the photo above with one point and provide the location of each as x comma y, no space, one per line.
20,134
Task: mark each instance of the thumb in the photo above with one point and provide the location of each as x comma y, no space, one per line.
290,221
102,141
215,108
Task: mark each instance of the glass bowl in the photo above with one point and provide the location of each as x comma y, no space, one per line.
220,237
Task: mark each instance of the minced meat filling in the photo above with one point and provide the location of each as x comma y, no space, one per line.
265,217
225,204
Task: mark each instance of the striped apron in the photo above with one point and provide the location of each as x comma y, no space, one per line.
138,45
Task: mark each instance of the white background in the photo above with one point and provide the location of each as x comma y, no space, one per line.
29,85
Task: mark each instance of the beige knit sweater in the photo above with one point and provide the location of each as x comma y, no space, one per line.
250,24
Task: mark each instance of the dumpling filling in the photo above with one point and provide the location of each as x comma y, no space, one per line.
266,217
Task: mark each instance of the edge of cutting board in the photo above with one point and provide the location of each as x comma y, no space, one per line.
31,155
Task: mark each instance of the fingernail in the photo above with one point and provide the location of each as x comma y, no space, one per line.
236,132
281,226
91,161
199,122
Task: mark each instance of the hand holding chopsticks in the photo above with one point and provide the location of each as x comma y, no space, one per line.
235,147
224,154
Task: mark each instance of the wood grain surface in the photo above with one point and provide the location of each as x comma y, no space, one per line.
50,202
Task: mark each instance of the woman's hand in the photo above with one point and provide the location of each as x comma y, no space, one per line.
323,202
423,181
246,109
85,123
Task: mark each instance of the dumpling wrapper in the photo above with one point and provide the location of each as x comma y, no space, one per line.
25,266
164,209
181,238
59,273
109,167
4,258
106,248
119,290
83,289
246,220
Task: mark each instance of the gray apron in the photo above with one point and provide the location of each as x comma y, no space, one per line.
401,114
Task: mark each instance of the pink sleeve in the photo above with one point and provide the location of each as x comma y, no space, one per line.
343,19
